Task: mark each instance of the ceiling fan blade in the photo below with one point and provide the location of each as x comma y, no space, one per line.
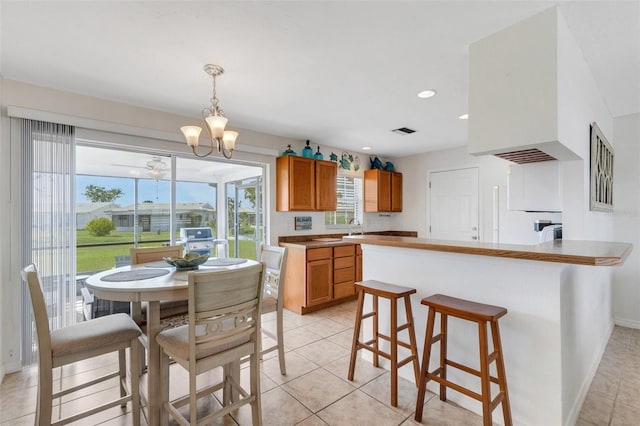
129,166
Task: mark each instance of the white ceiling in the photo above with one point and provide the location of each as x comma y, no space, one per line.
339,73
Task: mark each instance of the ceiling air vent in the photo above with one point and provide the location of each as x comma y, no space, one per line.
526,156
403,131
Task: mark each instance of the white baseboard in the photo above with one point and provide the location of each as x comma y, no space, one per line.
586,384
627,323
10,367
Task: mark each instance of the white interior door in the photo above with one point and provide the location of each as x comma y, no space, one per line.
453,205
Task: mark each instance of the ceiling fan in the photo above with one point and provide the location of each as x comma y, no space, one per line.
156,168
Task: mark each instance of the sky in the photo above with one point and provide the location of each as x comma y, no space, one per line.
149,190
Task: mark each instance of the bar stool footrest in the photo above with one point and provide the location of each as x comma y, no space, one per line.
406,360
469,370
455,387
367,343
404,344
368,315
404,326
374,350
384,337
463,367
497,400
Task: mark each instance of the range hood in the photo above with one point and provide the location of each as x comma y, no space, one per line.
525,87
525,156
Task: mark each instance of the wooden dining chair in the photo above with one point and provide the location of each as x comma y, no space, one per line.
168,308
223,328
275,259
78,342
151,254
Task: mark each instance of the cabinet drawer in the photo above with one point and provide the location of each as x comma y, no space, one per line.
319,253
343,262
343,251
343,290
344,275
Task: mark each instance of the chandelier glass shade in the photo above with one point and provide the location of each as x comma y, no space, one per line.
214,121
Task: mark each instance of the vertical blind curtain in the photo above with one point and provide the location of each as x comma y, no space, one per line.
48,226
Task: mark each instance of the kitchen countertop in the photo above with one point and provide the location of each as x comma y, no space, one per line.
318,244
315,241
594,253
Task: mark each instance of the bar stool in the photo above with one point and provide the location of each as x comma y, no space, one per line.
480,314
393,293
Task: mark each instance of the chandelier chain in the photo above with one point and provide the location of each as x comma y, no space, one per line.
214,99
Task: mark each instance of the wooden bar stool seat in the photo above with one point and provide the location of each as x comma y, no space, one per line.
481,314
393,293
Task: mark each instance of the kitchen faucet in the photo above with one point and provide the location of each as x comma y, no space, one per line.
355,222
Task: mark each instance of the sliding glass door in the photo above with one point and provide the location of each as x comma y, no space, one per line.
123,200
245,217
91,202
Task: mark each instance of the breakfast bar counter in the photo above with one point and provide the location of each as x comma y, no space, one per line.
558,297
596,253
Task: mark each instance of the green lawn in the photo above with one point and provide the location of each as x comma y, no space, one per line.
83,237
91,259
247,249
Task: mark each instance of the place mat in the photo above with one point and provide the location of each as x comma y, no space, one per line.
157,264
135,275
224,261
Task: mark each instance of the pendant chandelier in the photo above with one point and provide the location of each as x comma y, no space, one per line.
214,121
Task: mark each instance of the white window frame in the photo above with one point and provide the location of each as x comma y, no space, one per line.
330,218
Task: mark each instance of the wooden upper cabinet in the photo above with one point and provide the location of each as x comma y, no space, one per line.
382,191
326,177
305,184
396,192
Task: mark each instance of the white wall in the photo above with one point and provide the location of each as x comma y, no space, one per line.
580,104
515,226
4,210
626,222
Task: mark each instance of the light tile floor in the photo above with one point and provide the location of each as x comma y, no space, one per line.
315,390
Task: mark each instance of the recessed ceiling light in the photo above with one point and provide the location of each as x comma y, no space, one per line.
427,94
464,117
366,148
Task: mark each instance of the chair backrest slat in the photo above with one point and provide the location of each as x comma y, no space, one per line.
152,254
223,288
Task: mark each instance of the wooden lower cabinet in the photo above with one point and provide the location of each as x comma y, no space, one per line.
344,271
358,263
319,288
316,278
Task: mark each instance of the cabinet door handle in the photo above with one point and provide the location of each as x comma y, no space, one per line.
474,237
